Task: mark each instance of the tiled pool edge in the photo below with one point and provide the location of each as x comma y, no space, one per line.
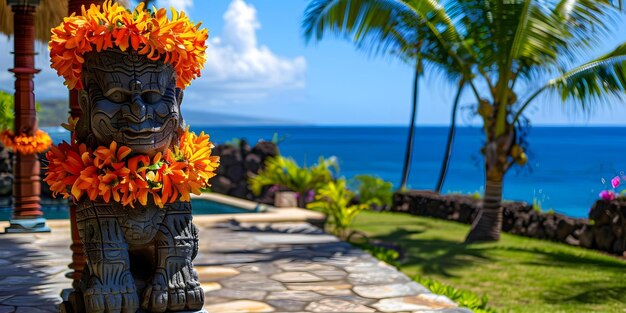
269,214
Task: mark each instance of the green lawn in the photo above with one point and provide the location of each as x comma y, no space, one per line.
517,274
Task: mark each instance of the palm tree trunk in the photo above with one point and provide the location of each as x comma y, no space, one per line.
409,145
448,152
488,222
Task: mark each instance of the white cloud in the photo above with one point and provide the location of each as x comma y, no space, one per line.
180,5
238,69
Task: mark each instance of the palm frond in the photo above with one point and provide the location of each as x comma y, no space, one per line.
595,82
379,26
588,21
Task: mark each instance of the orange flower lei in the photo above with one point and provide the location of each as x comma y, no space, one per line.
25,144
113,173
154,35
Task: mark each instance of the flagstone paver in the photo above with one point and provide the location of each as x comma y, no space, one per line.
270,267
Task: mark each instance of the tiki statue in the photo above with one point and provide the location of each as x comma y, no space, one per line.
136,257
131,164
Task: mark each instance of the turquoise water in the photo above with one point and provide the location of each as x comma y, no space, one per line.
564,173
200,207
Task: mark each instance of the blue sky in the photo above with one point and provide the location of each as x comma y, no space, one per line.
259,65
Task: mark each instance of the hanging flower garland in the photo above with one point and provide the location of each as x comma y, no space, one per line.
113,173
177,40
25,144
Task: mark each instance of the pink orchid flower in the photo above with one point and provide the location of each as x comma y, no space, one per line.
615,182
607,195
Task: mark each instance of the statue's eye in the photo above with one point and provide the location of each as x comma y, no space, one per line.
117,96
151,97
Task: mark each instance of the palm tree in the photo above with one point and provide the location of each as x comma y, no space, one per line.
528,41
510,47
408,153
448,151
379,30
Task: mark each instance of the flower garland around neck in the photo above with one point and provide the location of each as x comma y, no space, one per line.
176,40
25,144
114,173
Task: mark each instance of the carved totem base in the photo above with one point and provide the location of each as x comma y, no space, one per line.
137,258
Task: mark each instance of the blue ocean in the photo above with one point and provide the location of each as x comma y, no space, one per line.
567,168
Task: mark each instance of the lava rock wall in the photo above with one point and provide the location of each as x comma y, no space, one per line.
605,229
237,165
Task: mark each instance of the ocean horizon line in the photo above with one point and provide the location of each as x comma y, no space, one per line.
395,126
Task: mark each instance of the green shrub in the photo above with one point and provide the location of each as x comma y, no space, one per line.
464,298
7,108
333,198
6,111
477,195
374,190
234,142
277,140
285,172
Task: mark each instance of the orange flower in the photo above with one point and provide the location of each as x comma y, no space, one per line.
135,187
109,172
202,166
58,175
110,156
109,183
176,40
25,144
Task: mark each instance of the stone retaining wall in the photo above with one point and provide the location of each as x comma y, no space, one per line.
605,230
237,164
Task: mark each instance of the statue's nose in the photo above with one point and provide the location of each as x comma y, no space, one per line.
135,111
137,106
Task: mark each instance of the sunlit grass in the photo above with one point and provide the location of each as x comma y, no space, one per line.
517,274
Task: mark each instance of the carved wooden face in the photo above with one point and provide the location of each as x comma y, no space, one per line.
131,100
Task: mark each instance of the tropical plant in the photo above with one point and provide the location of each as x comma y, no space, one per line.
285,172
374,190
509,47
387,255
333,198
276,139
6,111
464,298
613,193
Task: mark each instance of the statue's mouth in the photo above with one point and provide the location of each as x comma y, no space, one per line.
144,134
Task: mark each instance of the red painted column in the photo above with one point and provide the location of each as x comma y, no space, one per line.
26,185
78,255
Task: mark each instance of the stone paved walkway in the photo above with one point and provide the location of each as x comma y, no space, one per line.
280,267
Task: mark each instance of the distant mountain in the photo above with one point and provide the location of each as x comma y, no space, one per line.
203,118
55,112
52,112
